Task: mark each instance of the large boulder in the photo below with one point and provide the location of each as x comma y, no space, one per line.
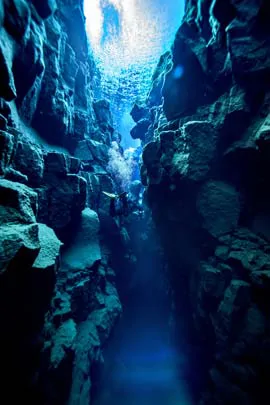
49,254
56,164
19,245
99,151
83,151
84,251
195,150
18,203
219,206
67,201
140,130
138,112
29,161
61,199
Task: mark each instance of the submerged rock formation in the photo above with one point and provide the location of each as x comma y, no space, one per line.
59,302
205,127
205,166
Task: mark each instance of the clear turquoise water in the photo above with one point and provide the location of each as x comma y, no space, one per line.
127,38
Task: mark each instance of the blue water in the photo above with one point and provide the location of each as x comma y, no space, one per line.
127,38
142,364
145,365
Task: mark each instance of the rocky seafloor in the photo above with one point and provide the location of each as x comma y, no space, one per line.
67,268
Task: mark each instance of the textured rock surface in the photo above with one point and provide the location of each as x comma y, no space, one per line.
85,251
206,171
205,124
49,249
48,69
219,205
58,299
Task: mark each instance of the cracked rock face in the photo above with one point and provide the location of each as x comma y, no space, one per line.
59,302
206,171
47,69
205,166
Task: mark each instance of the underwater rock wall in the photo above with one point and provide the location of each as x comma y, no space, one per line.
205,166
58,297
48,74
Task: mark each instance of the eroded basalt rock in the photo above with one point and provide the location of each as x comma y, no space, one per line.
45,67
219,205
104,118
18,203
195,150
29,161
66,201
140,130
49,340
19,242
138,112
6,148
49,254
85,251
205,171
181,93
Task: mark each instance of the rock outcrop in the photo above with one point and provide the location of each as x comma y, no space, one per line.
205,127
206,172
59,302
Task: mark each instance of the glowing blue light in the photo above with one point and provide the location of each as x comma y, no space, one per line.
178,72
127,38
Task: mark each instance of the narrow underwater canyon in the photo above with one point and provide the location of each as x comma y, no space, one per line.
168,304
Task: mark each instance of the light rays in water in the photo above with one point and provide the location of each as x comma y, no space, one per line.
127,37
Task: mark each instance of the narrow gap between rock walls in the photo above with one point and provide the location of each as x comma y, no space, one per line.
142,362
134,202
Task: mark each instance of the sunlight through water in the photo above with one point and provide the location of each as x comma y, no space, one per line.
127,38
